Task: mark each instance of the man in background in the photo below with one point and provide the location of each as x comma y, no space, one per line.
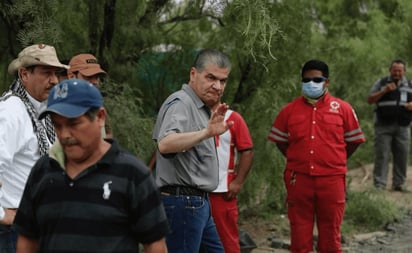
62,73
23,137
393,115
235,153
86,67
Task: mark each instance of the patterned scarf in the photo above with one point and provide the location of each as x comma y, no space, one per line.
42,132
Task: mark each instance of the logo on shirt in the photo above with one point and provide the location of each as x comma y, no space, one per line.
106,190
334,106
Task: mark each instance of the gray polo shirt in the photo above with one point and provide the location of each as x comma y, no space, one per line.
183,111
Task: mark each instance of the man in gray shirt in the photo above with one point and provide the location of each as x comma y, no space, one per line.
186,160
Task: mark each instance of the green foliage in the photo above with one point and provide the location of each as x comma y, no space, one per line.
270,84
264,185
369,211
257,25
156,80
37,22
131,129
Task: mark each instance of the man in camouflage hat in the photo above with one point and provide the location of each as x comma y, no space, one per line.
24,138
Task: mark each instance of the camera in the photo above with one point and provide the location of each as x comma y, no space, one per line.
393,80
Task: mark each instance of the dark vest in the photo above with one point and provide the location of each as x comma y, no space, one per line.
391,107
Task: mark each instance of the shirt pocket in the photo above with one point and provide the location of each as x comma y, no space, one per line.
297,127
333,127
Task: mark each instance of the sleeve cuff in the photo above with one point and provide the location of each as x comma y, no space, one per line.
2,213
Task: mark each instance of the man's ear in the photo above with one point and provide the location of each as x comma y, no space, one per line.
101,115
23,74
326,83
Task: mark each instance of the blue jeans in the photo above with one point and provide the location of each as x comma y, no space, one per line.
8,239
192,224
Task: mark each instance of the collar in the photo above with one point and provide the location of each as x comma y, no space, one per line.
111,154
56,152
38,106
198,102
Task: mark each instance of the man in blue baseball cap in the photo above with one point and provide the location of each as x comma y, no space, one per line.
95,192
73,98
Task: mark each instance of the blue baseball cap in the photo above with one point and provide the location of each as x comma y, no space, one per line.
72,98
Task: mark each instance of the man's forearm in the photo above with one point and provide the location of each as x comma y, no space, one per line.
155,247
26,245
179,142
373,98
244,165
282,147
351,148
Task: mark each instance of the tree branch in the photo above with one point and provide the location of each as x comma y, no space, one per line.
191,17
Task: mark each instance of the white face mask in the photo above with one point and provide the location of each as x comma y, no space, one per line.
312,89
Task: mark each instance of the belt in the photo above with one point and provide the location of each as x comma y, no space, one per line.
182,190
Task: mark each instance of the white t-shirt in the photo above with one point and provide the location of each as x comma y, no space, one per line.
19,149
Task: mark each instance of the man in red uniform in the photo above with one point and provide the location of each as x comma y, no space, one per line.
317,133
235,153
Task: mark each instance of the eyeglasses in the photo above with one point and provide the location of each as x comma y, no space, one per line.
314,79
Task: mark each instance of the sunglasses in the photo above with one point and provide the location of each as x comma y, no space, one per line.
314,79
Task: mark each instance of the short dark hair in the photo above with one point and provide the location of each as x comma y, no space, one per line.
398,61
91,113
316,65
212,56
31,68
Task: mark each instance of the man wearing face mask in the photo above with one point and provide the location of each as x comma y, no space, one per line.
317,133
393,115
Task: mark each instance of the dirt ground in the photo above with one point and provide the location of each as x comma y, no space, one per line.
360,179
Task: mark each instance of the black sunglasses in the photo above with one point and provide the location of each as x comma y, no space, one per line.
314,79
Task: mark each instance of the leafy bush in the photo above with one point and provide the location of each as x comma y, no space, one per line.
369,211
130,128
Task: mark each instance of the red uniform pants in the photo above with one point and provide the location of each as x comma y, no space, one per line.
225,214
311,199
